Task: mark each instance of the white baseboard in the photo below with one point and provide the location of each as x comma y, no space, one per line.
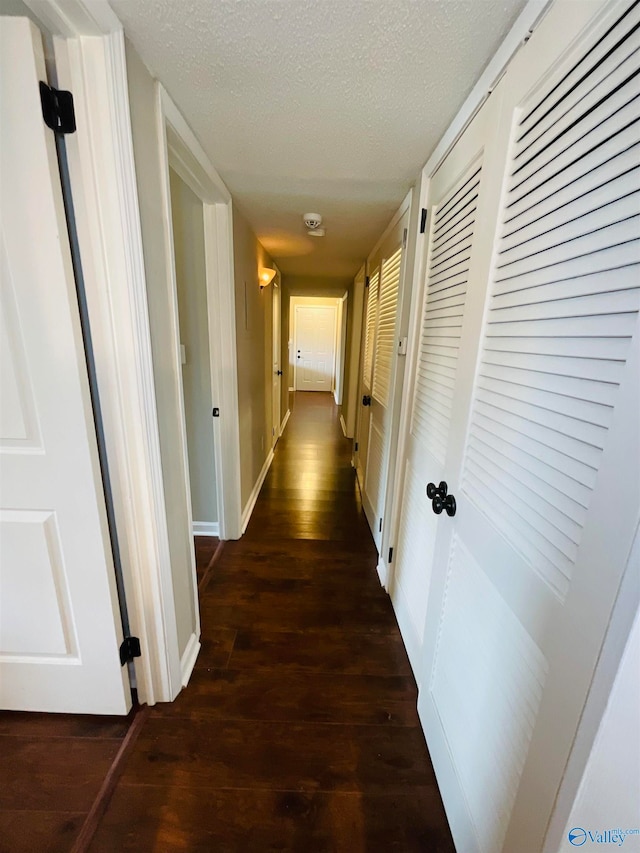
343,425
383,573
188,659
410,636
206,528
284,421
253,497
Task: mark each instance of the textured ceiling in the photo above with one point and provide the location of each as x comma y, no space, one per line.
331,107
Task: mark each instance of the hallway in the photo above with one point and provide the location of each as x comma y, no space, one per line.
298,730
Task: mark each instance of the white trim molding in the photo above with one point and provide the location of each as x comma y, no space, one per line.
343,425
102,173
253,497
186,156
206,528
189,657
284,421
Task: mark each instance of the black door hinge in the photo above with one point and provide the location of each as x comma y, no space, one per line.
390,555
129,650
423,220
216,412
366,281
404,239
57,109
356,447
380,527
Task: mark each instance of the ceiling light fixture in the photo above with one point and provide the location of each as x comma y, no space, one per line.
265,277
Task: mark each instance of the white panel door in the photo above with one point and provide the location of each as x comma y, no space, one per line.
59,622
383,354
315,347
526,573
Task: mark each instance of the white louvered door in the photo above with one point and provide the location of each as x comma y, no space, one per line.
382,363
366,380
546,481
460,200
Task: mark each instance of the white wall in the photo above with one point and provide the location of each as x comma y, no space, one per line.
188,237
609,794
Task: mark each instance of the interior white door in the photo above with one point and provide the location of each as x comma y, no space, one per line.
60,627
527,572
315,347
277,370
384,355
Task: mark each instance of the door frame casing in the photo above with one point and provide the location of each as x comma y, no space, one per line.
90,60
181,151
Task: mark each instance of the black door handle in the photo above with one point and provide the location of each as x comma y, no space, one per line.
366,400
278,372
441,499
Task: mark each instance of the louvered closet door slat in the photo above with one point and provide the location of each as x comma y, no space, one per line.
370,328
549,483
577,431
622,110
614,257
560,92
577,477
385,336
621,194
461,233
536,439
606,226
613,158
626,278
453,224
457,201
613,74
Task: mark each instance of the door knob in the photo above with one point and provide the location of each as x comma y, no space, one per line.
441,489
440,499
366,400
278,372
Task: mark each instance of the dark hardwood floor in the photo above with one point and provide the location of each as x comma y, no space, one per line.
52,767
298,730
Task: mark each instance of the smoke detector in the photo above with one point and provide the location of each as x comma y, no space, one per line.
313,221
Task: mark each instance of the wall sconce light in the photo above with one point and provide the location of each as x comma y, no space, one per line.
265,277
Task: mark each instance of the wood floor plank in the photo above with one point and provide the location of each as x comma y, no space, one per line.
293,696
42,831
23,724
255,821
53,774
175,752
337,651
